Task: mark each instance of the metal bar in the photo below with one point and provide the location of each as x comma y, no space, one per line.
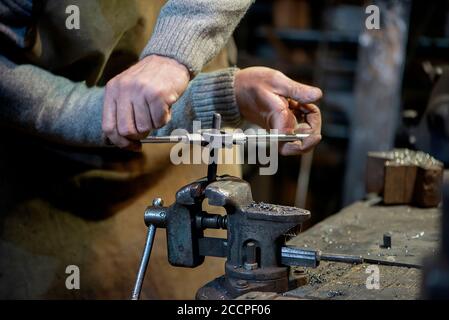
236,138
392,264
144,263
166,139
277,137
213,159
296,257
213,247
341,258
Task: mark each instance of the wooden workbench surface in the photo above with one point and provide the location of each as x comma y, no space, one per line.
359,230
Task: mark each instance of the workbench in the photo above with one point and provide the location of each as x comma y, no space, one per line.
359,230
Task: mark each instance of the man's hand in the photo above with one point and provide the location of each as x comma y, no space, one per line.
271,100
138,100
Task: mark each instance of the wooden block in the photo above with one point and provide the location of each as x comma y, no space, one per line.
399,183
405,177
428,186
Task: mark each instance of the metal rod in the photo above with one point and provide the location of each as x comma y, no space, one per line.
298,257
213,159
341,258
144,263
277,137
236,138
166,139
392,264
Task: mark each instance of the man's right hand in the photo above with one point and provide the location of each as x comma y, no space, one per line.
270,99
138,100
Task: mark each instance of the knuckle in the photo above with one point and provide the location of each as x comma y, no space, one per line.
172,98
111,83
108,129
125,83
126,131
159,92
143,127
295,90
142,86
277,76
150,92
111,87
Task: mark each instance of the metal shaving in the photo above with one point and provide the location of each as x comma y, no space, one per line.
410,158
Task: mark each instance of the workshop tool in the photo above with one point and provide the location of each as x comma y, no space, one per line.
255,232
204,137
405,177
257,257
297,257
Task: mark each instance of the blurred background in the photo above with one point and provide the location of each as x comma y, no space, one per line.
326,43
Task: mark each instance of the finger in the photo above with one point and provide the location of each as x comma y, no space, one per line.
314,118
302,93
299,147
305,108
311,142
309,117
125,119
283,121
108,124
110,128
142,119
124,143
290,149
160,113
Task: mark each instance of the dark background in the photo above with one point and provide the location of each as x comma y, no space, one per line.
317,42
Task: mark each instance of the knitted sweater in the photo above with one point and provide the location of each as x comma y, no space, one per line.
51,78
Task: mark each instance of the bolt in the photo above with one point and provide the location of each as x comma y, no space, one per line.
242,284
158,202
250,266
251,256
387,241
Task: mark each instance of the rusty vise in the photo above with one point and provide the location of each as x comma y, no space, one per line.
257,258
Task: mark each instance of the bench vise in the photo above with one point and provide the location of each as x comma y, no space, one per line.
255,236
257,259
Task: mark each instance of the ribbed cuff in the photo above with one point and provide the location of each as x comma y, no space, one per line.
214,93
178,37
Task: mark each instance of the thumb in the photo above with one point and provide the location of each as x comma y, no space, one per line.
299,92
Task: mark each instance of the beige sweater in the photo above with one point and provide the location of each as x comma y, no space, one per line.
52,77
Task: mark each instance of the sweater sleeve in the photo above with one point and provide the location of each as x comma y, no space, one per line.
15,18
194,31
54,108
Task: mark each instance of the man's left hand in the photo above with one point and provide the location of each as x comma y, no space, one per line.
138,100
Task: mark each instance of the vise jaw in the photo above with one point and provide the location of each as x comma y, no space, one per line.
255,236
